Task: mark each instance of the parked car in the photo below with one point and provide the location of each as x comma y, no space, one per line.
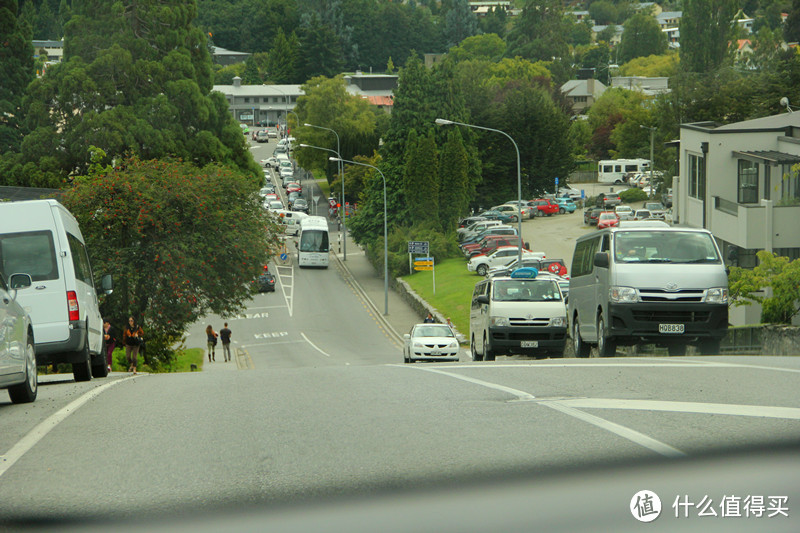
607,219
525,209
464,222
496,215
641,214
666,197
511,210
565,205
493,243
544,206
488,241
271,162
430,342
590,215
473,229
608,199
624,212
265,283
490,230
569,192
500,257
17,352
657,210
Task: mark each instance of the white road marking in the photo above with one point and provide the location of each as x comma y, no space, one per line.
270,343
38,433
617,429
764,411
655,364
313,345
626,433
288,298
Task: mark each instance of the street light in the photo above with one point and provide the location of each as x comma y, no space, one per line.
444,122
652,132
341,176
327,150
286,110
385,232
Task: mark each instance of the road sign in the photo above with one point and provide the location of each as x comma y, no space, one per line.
423,268
583,194
424,261
284,256
315,197
556,181
418,247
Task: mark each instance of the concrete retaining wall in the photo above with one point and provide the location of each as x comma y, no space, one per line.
422,307
781,340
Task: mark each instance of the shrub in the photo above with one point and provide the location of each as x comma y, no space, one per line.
633,195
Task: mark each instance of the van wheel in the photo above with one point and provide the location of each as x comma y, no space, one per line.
488,354
606,347
676,349
475,355
83,371
99,364
581,348
709,347
26,392
482,269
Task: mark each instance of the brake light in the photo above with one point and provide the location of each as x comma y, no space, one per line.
72,306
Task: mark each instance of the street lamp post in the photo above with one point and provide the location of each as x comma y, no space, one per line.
341,176
327,150
652,133
286,109
444,122
385,232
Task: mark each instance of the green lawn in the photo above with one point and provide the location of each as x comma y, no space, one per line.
454,285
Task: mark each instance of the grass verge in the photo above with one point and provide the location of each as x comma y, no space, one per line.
454,286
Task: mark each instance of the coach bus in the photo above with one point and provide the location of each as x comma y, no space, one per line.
313,243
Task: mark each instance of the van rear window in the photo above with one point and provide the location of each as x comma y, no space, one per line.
31,253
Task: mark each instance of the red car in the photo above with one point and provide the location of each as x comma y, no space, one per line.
544,206
293,187
607,219
492,245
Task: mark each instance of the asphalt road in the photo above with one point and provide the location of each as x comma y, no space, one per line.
317,406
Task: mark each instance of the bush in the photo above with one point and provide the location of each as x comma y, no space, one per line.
633,195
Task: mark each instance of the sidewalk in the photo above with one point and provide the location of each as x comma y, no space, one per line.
371,284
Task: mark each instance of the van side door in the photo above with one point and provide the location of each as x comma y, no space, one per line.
582,287
477,314
601,282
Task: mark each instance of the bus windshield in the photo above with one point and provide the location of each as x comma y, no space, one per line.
314,241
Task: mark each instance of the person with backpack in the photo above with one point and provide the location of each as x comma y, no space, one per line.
225,337
132,338
211,336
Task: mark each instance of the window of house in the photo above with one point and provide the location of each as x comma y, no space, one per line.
697,177
748,182
246,99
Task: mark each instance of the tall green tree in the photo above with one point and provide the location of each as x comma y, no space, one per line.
791,28
251,76
16,71
495,21
135,79
182,241
706,30
642,37
459,23
539,32
455,192
282,65
421,178
321,51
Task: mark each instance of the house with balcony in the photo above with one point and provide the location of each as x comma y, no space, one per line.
741,181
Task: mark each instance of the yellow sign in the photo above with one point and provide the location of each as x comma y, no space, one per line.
423,263
423,267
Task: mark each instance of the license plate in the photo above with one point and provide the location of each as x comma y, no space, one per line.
670,328
436,352
529,344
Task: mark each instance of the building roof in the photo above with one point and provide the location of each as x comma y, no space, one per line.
770,156
259,90
775,122
379,100
581,88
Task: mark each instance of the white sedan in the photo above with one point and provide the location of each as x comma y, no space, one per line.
430,342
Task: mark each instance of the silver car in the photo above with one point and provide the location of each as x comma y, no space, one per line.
17,352
430,342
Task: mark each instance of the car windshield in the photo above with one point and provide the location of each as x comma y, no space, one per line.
433,330
665,247
525,290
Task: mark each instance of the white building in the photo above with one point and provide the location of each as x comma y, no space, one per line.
741,182
645,85
254,104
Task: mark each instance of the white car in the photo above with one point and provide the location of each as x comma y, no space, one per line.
17,352
500,257
271,162
525,209
624,212
273,205
511,210
430,342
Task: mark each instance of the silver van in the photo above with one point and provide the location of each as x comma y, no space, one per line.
637,285
42,239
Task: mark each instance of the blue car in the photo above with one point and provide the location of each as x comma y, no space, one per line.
565,205
496,215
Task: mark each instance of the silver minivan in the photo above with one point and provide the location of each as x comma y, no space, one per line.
642,285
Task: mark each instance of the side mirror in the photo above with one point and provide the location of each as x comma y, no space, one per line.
482,299
20,281
106,284
601,259
407,336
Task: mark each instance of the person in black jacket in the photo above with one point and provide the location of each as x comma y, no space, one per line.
110,337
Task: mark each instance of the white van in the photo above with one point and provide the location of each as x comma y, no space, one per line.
648,284
290,220
617,170
517,314
42,239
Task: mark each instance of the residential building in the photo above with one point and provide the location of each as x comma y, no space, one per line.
615,39
225,57
481,8
649,86
741,181
582,93
257,104
378,89
54,50
669,19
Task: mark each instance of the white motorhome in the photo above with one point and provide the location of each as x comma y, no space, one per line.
616,170
42,239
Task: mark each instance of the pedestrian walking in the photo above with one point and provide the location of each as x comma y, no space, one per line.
110,336
211,337
132,337
225,337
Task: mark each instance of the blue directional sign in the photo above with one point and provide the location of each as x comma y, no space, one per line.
284,256
556,181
